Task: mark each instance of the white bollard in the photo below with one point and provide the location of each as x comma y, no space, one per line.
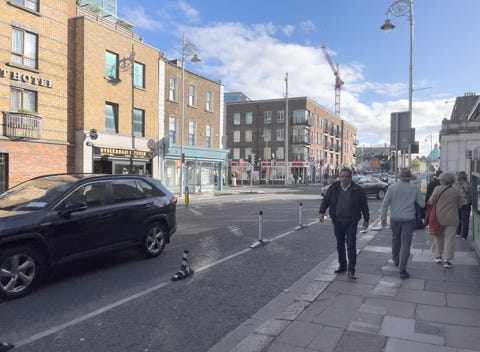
300,218
260,241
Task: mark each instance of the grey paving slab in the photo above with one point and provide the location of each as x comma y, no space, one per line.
312,291
405,329
452,287
327,340
391,307
413,284
425,297
292,311
253,343
364,327
284,347
311,312
360,342
273,327
460,316
300,333
351,287
397,345
428,327
462,336
335,317
463,301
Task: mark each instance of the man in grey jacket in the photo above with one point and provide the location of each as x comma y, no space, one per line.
401,198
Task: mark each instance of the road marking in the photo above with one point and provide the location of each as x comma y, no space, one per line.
122,301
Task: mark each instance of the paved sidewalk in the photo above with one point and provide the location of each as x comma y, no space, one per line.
436,310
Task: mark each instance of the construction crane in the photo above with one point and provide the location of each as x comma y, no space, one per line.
338,81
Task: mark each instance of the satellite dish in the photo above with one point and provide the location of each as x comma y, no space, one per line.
93,134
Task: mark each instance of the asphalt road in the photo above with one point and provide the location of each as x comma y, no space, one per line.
126,303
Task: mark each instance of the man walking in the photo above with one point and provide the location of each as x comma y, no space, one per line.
432,184
401,198
347,202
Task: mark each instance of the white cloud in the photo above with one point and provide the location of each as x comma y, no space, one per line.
308,25
138,17
188,11
288,30
250,60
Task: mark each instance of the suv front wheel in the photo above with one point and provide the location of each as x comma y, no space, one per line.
20,269
154,240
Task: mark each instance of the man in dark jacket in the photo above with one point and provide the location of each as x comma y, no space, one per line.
347,202
431,185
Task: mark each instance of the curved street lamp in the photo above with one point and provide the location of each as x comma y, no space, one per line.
188,49
403,8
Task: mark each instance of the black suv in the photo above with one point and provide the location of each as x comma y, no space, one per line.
54,219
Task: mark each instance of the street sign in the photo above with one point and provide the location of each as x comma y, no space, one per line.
151,144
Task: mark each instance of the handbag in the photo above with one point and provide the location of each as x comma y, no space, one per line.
434,227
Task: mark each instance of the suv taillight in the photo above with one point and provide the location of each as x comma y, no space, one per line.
174,199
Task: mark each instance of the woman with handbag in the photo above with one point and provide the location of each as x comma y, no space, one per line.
447,200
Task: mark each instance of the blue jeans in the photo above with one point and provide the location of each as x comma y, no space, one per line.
402,241
346,231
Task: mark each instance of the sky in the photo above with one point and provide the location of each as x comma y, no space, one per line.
250,46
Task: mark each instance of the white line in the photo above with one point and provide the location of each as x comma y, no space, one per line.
118,303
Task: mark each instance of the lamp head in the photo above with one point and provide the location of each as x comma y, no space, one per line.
387,26
195,59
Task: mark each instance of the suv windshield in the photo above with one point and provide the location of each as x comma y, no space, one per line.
34,194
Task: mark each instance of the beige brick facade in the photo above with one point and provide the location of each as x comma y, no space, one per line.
49,151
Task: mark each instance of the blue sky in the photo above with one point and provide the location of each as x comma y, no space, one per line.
250,45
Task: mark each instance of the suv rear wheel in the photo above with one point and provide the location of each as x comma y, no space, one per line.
20,269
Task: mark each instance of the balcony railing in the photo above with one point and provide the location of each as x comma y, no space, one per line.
22,125
300,140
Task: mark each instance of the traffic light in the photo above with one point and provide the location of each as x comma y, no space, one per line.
254,157
469,154
249,158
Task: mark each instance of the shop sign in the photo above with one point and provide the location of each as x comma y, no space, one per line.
119,152
25,78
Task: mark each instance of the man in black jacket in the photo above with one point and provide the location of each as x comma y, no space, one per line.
347,202
431,186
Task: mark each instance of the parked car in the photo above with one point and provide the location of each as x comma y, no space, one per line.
58,218
371,185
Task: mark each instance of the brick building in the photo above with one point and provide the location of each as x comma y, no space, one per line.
319,142
36,136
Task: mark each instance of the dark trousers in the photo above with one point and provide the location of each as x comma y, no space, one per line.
402,241
464,220
346,231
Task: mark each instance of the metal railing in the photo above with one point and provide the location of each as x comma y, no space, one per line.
22,125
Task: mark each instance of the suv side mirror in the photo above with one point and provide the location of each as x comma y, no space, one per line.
72,208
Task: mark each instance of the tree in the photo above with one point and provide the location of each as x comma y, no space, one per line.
416,164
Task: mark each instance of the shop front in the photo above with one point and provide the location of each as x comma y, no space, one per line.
204,168
107,160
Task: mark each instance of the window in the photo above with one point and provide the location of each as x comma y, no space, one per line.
236,136
236,153
111,117
209,101
172,129
23,100
125,190
267,135
24,48
248,151
267,153
280,134
192,95
111,65
248,135
208,136
31,4
248,118
280,116
192,128
267,117
236,118
138,75
173,89
139,122
279,153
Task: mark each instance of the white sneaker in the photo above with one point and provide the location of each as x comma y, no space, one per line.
447,264
438,259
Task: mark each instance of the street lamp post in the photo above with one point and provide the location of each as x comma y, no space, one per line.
287,171
128,63
188,49
404,8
